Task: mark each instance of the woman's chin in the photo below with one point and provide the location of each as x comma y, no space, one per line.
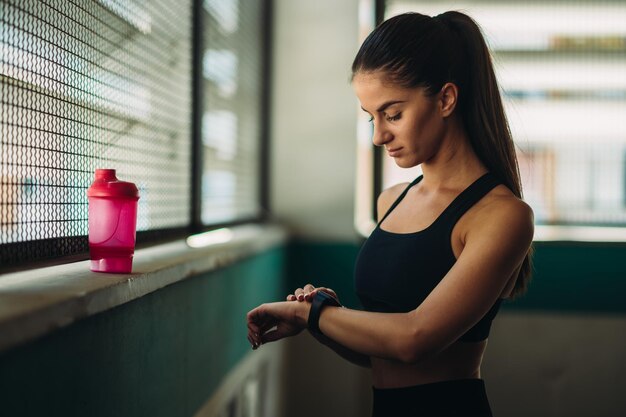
405,163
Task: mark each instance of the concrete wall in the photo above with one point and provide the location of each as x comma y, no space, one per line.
313,141
556,364
313,154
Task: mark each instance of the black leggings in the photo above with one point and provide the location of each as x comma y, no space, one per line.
462,398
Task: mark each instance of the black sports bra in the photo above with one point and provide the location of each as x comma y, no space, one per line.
395,272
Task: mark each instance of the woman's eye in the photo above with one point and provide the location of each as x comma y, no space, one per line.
371,119
393,118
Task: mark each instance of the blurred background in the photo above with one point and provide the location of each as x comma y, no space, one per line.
227,113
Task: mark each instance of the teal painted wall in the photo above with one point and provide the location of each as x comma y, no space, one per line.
577,277
567,277
324,265
160,355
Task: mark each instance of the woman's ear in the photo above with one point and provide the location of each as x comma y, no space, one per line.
448,97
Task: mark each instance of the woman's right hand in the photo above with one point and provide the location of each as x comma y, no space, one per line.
308,292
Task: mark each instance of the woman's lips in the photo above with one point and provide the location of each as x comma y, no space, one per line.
393,152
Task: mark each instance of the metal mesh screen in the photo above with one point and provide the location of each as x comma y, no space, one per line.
231,118
91,84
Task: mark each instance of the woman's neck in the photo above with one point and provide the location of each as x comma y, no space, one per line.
455,165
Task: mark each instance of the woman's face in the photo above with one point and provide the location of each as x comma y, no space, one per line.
406,122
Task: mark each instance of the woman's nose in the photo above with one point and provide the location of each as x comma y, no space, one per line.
381,136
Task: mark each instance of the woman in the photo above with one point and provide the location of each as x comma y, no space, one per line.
450,246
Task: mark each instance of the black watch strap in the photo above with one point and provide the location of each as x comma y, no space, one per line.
320,300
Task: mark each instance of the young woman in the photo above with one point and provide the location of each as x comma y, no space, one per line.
448,247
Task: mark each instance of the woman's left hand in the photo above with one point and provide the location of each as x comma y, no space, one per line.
274,321
308,292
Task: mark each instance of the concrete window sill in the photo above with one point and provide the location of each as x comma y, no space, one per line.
36,302
580,234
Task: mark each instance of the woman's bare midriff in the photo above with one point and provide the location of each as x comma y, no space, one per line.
459,361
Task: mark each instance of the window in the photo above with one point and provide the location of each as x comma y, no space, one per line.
233,104
109,84
561,67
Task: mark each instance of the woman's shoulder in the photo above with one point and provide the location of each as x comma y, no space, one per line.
502,199
501,206
388,196
501,224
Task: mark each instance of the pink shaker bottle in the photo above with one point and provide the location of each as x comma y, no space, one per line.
112,222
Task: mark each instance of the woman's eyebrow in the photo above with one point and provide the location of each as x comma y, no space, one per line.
385,105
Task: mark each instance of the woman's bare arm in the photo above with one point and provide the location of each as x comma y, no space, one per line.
490,256
467,292
348,354
306,294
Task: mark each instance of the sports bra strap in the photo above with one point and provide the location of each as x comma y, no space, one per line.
395,203
470,196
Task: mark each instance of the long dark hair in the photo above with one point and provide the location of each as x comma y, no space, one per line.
415,50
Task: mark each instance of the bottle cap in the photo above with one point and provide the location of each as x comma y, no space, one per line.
106,184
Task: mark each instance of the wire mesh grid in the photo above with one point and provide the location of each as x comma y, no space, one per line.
91,84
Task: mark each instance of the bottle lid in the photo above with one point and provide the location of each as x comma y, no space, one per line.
106,184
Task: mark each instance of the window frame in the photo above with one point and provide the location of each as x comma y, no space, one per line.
17,256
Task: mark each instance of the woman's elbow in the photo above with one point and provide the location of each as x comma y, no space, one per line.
414,348
408,356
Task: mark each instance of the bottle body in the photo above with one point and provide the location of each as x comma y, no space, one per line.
112,223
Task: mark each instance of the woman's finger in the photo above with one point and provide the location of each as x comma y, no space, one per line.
308,290
326,290
254,318
272,336
330,292
299,294
252,342
291,297
254,334
267,327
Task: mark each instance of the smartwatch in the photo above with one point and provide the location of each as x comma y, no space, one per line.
320,300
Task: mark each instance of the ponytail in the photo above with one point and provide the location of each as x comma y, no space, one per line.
483,115
418,51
